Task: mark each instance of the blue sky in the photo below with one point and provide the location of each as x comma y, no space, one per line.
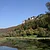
13,12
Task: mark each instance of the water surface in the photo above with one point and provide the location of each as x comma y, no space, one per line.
7,48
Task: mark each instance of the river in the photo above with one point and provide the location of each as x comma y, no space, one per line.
7,48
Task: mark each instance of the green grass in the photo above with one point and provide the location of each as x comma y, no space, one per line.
25,43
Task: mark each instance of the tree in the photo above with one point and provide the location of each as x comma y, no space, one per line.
42,32
48,5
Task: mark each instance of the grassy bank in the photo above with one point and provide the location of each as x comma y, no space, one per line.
25,43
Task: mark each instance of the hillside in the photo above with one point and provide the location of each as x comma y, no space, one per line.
38,26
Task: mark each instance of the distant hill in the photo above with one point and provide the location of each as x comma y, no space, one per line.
38,26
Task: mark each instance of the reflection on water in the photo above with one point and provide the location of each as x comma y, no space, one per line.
7,48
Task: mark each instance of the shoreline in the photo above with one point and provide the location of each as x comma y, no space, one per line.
20,43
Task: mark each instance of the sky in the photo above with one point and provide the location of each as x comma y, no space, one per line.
13,12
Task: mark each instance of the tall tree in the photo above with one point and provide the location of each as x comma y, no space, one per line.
48,13
48,5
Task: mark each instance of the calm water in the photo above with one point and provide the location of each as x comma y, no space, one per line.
7,48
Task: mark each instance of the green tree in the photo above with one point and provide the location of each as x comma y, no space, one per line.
42,32
48,5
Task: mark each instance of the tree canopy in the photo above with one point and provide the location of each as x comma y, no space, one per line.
48,5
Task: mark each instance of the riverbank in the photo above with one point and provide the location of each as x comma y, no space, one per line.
25,43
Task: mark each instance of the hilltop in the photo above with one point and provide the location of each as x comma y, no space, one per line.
38,26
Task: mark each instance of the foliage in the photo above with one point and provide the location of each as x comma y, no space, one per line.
48,5
27,44
39,26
